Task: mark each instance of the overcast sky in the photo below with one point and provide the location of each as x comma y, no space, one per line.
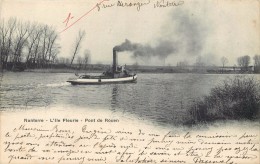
210,29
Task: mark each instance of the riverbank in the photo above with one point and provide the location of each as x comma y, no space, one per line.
145,69
234,99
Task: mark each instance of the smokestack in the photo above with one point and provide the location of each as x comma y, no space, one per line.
114,61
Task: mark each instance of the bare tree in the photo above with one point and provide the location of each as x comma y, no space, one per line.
53,48
79,39
54,53
32,41
42,46
79,61
7,32
23,32
243,61
49,44
47,33
86,59
257,63
224,61
36,50
1,41
257,60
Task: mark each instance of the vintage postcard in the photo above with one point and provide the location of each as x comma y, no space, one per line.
129,81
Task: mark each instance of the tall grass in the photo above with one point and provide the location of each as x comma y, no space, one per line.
234,99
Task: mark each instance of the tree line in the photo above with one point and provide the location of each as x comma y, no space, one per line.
34,45
243,62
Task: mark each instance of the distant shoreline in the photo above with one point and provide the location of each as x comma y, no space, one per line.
99,68
153,71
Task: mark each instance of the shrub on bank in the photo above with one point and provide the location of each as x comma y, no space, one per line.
235,99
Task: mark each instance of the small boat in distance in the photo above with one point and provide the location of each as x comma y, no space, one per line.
118,74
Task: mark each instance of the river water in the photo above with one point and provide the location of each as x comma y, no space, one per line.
160,98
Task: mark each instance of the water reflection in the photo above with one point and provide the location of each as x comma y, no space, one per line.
161,98
114,98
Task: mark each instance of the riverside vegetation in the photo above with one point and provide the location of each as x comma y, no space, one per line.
234,99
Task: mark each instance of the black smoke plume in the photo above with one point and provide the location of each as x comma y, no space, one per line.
162,50
183,33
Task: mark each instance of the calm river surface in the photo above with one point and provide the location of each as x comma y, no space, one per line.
162,98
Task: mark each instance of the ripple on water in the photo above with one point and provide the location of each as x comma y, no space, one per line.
156,97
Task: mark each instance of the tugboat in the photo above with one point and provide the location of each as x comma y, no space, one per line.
118,74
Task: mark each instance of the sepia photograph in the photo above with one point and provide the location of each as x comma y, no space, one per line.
129,81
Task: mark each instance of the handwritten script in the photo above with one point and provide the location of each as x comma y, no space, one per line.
109,4
82,142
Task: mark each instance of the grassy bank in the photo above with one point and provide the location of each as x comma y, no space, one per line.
234,99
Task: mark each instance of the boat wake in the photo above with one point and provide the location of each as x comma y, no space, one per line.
58,84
